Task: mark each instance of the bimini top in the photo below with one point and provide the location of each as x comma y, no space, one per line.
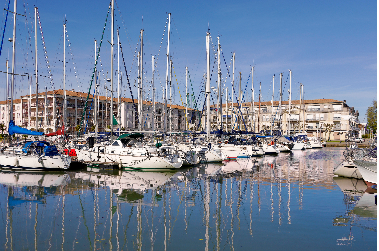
48,150
131,135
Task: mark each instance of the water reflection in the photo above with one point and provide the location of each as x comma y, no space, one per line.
361,208
266,202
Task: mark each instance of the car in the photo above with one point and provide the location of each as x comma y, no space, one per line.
359,140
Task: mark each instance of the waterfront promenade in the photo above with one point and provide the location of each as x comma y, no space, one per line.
347,144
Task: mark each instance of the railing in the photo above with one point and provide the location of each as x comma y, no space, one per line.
313,109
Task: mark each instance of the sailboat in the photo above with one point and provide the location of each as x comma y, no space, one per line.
128,152
35,155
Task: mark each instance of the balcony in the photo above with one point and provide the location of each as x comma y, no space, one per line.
313,109
336,118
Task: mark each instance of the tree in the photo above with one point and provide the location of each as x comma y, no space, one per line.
329,129
2,128
371,115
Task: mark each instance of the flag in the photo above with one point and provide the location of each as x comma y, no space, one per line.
114,121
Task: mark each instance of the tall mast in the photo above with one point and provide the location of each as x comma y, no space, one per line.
170,114
226,107
219,91
96,107
36,63
252,99
208,87
118,83
272,103
30,97
45,113
289,106
7,96
240,103
186,126
140,100
259,110
112,42
232,118
64,78
302,91
13,55
167,69
280,101
300,113
153,99
138,91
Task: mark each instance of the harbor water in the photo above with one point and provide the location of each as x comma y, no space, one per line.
287,202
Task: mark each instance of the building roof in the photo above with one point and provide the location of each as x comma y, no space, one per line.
293,102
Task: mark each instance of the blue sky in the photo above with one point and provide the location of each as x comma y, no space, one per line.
330,46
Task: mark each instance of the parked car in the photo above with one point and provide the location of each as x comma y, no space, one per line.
359,140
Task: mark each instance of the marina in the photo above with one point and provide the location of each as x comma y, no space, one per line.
289,201
253,156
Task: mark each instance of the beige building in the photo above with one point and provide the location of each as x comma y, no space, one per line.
326,118
50,113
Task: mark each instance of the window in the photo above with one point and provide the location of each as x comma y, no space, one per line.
115,143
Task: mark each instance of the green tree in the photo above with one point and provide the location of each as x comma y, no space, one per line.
2,128
371,115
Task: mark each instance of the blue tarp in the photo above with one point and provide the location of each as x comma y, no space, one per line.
12,129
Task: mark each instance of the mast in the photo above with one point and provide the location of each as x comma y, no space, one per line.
259,110
36,64
232,118
96,105
280,101
272,103
13,56
170,114
300,114
112,34
140,100
153,99
289,106
167,66
219,91
208,87
252,99
45,117
138,90
7,95
118,84
186,126
64,77
226,107
240,103
302,91
30,97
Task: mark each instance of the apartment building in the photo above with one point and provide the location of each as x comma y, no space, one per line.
326,118
48,115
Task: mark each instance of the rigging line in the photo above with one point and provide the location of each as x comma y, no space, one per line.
93,73
72,56
5,25
178,86
128,82
44,47
123,24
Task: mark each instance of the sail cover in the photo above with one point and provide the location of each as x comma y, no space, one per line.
12,129
59,132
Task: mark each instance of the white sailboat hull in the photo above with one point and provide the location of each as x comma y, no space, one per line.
35,162
368,169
